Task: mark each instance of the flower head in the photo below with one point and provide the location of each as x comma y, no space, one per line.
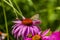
25,27
41,36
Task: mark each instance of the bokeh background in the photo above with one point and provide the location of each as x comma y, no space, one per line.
48,10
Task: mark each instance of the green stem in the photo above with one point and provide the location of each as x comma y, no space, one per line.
14,8
18,7
6,23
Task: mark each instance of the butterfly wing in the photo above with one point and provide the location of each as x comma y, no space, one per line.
35,17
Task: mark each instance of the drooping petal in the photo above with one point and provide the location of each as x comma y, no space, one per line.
32,31
25,33
15,35
39,33
15,28
20,22
45,32
14,25
24,30
36,29
36,22
28,31
18,28
20,31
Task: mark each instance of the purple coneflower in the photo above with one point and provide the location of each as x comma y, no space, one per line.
25,27
55,36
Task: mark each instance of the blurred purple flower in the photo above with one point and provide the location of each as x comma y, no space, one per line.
25,27
55,36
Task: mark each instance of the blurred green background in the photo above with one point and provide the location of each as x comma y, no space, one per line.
48,10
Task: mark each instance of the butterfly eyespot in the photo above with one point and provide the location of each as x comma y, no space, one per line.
27,21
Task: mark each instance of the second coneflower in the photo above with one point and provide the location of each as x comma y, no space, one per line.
40,36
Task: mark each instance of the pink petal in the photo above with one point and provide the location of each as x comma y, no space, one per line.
28,31
20,22
45,38
23,31
20,32
36,29
14,25
39,33
32,31
45,32
36,22
15,28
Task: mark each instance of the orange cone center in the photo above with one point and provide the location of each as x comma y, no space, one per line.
27,21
